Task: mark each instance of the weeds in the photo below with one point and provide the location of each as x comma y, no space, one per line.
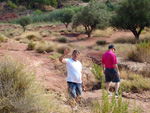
62,40
55,56
141,54
48,47
21,93
31,46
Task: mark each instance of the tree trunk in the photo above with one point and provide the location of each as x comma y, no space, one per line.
89,34
137,36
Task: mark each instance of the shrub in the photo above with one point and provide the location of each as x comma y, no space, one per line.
33,36
37,12
31,46
62,40
13,5
126,40
24,21
141,54
23,8
55,56
60,49
2,38
100,42
21,93
134,82
53,3
48,47
97,72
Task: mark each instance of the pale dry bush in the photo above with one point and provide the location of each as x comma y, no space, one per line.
33,36
22,93
133,82
45,46
103,33
3,38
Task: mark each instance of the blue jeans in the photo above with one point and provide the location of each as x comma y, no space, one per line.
74,89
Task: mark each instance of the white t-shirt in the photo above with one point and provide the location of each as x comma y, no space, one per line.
74,69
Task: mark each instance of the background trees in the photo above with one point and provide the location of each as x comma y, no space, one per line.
132,15
94,15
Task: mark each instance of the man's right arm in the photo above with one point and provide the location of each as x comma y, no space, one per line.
116,67
61,59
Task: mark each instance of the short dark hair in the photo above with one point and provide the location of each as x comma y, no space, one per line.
75,51
111,46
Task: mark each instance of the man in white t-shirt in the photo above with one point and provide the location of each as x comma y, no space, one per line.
74,75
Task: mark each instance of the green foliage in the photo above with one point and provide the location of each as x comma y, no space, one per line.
142,52
67,15
31,46
53,16
125,40
97,71
62,40
24,21
23,8
92,16
53,3
61,49
37,12
13,5
55,56
132,15
99,42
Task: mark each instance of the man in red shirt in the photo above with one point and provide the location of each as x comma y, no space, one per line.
110,69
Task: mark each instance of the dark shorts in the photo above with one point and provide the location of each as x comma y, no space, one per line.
111,75
74,89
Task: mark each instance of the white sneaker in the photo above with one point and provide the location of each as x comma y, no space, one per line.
75,108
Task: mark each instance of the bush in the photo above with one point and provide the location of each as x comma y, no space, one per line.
55,56
53,3
33,36
21,93
24,21
31,46
125,40
17,87
61,49
2,38
48,47
37,12
23,8
141,54
12,5
99,42
62,40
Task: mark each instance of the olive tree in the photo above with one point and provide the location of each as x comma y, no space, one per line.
67,15
24,21
94,15
132,15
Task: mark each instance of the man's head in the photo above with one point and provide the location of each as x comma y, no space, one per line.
75,54
111,47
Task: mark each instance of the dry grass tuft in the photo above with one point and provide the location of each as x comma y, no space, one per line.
103,33
45,46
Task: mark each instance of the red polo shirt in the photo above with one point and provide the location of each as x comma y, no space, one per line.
109,59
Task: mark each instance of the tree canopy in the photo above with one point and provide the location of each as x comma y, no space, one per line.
132,15
94,15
